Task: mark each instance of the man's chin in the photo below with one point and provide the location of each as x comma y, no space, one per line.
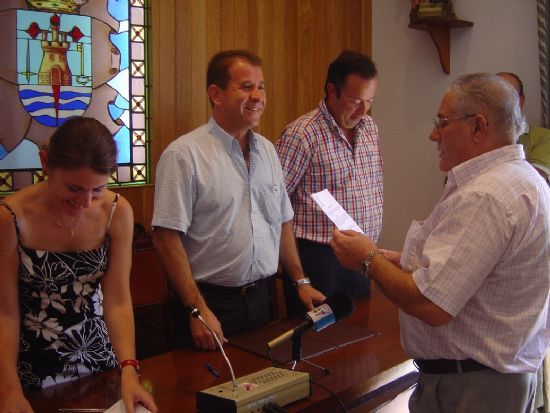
444,167
253,123
352,124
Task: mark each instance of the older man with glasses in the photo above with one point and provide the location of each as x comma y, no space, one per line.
472,280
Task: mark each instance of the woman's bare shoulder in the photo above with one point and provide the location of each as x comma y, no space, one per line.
123,211
24,198
7,224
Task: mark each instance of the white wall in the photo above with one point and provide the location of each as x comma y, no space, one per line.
412,83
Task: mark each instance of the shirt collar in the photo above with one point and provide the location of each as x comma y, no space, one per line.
228,141
468,170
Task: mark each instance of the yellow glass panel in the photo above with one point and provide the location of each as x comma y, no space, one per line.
138,34
138,104
139,173
139,137
138,69
6,181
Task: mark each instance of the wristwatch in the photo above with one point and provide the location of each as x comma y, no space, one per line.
367,261
301,281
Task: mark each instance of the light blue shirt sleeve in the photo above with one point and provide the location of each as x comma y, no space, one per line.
174,191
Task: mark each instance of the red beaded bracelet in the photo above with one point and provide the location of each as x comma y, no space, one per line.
129,362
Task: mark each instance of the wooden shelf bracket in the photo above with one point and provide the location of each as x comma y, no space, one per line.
440,32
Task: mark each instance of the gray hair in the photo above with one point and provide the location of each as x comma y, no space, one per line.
491,96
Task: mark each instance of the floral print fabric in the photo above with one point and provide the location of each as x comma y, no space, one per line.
63,334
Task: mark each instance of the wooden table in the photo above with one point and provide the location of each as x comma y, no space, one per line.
365,373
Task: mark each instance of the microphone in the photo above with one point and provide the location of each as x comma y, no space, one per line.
195,313
336,307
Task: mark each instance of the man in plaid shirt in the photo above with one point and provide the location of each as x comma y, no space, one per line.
334,147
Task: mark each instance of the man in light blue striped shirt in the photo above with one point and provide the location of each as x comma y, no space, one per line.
222,215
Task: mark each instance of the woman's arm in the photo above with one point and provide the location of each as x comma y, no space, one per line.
117,305
11,393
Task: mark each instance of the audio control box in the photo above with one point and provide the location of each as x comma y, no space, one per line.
254,391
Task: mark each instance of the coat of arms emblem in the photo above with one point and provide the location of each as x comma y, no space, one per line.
54,55
66,58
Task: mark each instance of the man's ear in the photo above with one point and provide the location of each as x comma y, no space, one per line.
43,154
521,102
214,94
481,127
331,89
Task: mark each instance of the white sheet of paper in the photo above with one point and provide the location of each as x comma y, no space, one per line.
119,407
334,211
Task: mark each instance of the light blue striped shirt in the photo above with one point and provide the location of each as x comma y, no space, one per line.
230,218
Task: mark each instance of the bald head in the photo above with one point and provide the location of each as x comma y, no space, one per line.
516,83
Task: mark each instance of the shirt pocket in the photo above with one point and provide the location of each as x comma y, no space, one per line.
269,203
412,247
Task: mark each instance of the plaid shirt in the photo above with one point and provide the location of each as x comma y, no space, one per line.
315,155
483,256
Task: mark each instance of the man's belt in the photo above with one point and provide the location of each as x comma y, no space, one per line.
242,290
446,366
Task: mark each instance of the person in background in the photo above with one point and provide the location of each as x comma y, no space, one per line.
65,254
334,147
536,144
222,217
472,280
536,140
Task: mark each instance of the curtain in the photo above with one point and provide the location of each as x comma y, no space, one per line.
543,16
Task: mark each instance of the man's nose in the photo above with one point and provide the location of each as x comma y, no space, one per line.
364,107
257,94
434,134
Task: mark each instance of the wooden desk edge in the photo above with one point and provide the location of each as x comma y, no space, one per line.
372,393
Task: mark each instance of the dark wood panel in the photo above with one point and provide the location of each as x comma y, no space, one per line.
148,283
295,38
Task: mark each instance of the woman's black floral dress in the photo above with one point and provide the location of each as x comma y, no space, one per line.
62,332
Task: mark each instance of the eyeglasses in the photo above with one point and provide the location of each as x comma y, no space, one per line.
440,122
357,101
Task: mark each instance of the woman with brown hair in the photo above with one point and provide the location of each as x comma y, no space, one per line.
65,258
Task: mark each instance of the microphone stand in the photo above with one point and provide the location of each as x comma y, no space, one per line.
195,313
297,354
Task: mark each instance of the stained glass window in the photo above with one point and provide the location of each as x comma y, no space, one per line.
66,58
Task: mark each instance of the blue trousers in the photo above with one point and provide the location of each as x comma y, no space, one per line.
326,275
